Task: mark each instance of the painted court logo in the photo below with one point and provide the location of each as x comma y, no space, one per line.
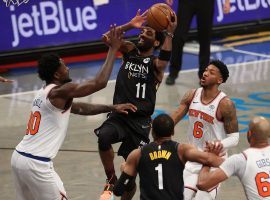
14,2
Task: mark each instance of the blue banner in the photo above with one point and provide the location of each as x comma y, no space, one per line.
27,24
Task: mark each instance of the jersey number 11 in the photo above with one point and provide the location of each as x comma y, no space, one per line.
139,86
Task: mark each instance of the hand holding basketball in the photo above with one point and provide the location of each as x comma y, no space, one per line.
159,16
138,20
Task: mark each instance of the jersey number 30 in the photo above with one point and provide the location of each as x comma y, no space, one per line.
33,123
263,184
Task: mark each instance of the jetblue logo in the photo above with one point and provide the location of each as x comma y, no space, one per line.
242,6
49,18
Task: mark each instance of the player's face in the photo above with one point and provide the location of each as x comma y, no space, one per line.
63,72
211,76
147,39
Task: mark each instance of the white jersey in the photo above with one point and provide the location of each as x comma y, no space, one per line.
47,127
253,169
203,123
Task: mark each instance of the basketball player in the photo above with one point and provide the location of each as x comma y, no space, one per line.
252,166
137,82
160,164
5,80
34,176
212,116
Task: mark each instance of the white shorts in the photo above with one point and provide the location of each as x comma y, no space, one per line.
191,191
36,180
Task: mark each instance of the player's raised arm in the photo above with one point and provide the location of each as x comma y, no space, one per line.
182,110
166,48
135,22
73,90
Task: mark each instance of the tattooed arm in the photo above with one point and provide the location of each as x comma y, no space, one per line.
182,110
80,108
228,116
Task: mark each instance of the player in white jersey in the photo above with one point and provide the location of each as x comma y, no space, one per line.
212,117
32,168
252,166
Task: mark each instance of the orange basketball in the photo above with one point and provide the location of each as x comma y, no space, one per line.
157,16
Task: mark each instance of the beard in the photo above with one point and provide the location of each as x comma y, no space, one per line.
67,80
145,46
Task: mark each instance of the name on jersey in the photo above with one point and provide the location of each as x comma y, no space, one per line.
263,163
202,115
37,102
136,70
160,154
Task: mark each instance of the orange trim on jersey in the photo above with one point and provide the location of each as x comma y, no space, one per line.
217,110
244,154
211,100
193,96
191,188
213,188
63,196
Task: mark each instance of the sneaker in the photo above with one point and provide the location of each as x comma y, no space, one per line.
170,80
107,193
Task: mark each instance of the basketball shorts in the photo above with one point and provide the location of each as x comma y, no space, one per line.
35,179
132,131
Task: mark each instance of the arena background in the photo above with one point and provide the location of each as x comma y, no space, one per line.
241,39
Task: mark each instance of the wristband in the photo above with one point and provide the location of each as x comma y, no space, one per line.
164,55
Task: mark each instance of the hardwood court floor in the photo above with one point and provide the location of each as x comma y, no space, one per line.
78,162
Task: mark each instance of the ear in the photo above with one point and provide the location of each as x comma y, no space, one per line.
156,43
220,80
56,75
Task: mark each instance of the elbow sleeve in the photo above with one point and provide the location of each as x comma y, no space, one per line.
231,140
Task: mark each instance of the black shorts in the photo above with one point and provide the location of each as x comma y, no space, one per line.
132,131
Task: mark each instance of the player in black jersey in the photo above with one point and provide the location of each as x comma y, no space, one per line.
160,164
137,83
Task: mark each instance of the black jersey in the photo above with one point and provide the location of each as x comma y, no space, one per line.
136,83
161,172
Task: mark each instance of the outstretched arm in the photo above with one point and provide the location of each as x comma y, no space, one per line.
208,180
126,180
5,80
182,110
188,152
73,90
135,22
166,48
80,108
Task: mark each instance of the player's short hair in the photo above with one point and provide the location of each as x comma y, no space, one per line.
163,125
160,36
222,68
47,66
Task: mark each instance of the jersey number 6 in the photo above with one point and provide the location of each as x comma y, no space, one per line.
198,129
33,123
262,183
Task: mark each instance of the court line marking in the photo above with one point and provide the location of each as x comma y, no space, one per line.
249,53
113,81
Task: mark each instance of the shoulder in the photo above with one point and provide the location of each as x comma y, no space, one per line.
226,103
188,96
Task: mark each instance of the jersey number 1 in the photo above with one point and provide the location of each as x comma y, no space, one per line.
263,184
139,86
160,176
33,123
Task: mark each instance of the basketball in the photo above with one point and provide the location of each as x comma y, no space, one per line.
157,16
